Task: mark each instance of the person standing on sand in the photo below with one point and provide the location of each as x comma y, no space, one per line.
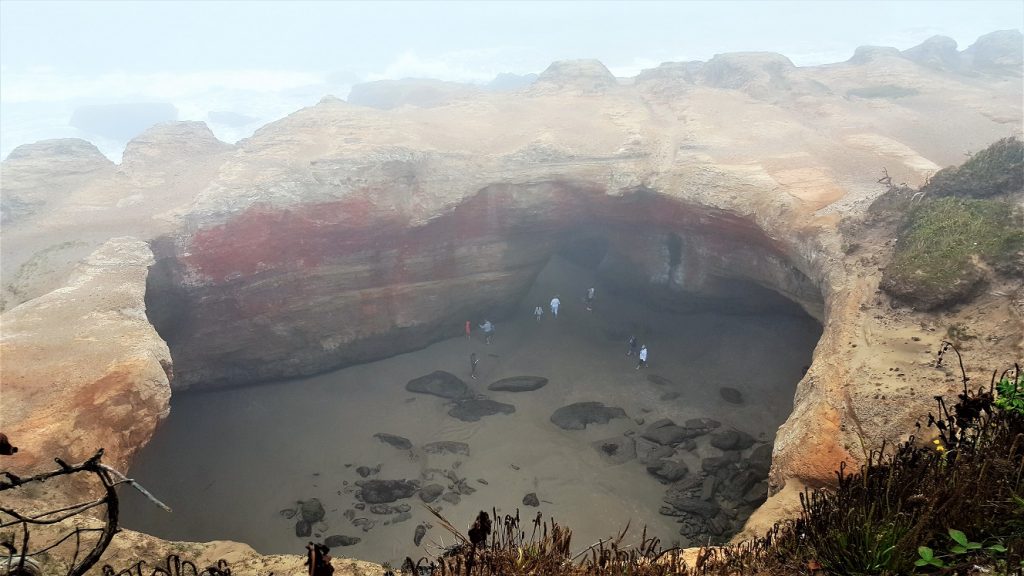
555,303
590,299
538,312
469,330
488,329
632,346
473,361
643,357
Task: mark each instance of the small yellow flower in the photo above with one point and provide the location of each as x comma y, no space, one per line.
936,441
940,448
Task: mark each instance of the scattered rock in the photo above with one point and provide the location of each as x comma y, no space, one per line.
312,510
388,509
359,506
451,498
757,494
400,517
732,440
731,395
439,383
696,506
385,491
418,535
431,492
707,489
365,523
712,463
303,529
760,459
667,471
288,513
616,450
339,540
647,451
577,416
482,481
531,500
702,423
399,442
519,384
446,447
365,471
474,409
667,433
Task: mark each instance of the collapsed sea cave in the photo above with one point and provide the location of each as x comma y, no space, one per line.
336,309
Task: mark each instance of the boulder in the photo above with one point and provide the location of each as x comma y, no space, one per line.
732,440
667,471
431,492
399,442
531,500
385,491
311,510
418,535
760,459
473,409
451,498
731,395
519,384
667,433
303,529
446,447
439,383
702,423
647,451
696,506
577,416
337,540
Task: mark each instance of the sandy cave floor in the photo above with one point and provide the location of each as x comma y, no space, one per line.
229,461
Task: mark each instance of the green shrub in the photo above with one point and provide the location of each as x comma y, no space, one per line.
998,169
934,261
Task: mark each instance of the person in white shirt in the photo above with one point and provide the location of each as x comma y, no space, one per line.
538,312
643,357
555,303
488,329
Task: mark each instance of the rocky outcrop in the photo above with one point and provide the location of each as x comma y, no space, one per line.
36,174
83,369
585,76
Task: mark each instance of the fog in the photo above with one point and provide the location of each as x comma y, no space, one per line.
238,65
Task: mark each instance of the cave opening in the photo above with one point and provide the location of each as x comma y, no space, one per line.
687,457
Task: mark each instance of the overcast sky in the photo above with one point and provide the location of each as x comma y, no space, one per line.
267,59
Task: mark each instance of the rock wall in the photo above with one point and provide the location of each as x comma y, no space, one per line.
281,292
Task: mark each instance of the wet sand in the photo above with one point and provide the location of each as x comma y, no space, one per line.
229,461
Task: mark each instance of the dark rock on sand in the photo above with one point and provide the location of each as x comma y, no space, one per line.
732,440
385,491
288,513
365,471
339,540
577,416
667,471
417,537
451,498
760,459
431,492
303,529
389,509
647,451
667,433
702,423
616,450
446,447
474,409
439,383
531,500
519,384
712,463
757,493
731,395
696,506
312,510
399,442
